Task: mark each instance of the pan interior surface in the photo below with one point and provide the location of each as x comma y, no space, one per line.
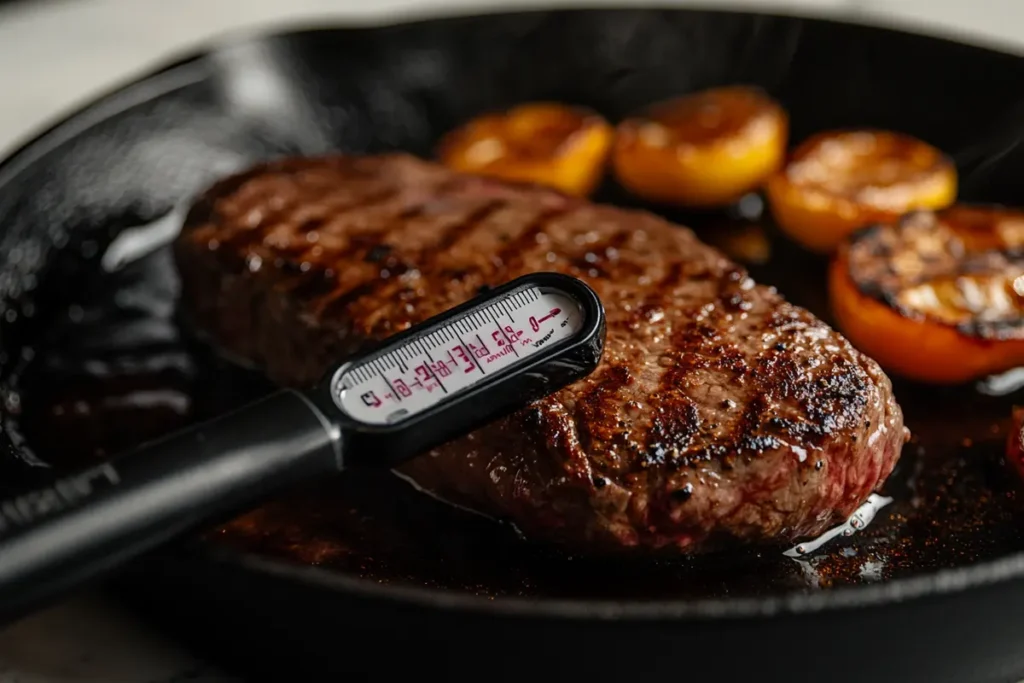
94,359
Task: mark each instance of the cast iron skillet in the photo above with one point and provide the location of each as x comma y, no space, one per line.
370,578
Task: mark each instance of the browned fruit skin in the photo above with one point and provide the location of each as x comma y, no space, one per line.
541,142
719,413
838,181
705,149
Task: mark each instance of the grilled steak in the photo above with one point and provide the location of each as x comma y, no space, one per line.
719,413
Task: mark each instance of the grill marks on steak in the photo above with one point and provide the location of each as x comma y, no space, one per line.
719,411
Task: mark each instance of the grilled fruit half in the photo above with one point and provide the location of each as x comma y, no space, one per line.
936,296
836,182
543,142
702,150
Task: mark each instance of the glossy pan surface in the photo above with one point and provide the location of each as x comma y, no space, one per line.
331,578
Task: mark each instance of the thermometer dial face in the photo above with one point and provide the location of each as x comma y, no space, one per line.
461,353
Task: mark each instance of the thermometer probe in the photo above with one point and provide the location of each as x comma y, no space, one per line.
423,387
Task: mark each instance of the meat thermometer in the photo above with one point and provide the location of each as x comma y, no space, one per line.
498,352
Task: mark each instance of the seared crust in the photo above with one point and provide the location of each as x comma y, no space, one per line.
719,412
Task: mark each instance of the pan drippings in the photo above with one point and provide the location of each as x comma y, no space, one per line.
116,368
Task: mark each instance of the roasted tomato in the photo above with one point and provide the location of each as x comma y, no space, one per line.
545,143
703,150
836,182
937,296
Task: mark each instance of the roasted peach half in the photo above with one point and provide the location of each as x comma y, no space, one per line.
836,182
541,142
702,150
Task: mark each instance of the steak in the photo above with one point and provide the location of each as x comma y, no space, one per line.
719,414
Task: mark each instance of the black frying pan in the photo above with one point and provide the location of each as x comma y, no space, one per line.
365,576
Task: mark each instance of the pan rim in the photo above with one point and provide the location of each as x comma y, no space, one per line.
945,583
191,66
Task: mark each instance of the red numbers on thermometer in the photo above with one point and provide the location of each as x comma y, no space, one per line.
401,387
462,354
535,322
459,353
506,335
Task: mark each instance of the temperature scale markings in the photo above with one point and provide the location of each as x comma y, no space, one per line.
371,369
472,355
430,368
453,332
484,345
391,387
505,335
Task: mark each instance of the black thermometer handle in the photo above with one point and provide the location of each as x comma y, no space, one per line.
86,524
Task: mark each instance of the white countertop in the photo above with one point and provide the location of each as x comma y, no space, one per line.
58,54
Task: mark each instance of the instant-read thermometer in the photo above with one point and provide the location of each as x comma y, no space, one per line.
436,381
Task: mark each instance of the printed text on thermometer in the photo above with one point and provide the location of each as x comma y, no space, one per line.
421,373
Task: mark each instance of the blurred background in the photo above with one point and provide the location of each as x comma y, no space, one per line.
55,55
